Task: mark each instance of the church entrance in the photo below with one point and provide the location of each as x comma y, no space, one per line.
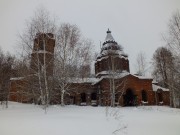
83,97
129,99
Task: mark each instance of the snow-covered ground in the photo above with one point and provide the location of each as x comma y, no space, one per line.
24,119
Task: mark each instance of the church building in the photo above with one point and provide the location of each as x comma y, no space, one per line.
113,84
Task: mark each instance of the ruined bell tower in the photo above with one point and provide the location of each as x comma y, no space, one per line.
42,57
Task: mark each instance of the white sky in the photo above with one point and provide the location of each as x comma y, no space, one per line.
135,24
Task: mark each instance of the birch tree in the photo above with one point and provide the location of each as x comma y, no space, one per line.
72,52
40,23
117,85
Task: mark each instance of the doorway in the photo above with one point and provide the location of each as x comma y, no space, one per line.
129,98
83,97
93,96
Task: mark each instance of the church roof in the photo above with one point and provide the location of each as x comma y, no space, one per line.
82,80
110,46
156,88
109,37
119,76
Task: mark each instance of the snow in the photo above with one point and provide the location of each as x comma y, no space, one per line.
120,75
155,88
102,57
154,81
42,51
116,74
25,119
144,102
16,78
82,80
142,77
117,52
103,73
109,37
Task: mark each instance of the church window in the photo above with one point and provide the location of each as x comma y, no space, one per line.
41,46
144,95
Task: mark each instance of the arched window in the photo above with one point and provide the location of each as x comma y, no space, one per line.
41,46
144,95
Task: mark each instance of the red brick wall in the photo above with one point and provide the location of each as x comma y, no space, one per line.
18,91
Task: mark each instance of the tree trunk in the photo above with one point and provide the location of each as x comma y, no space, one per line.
62,97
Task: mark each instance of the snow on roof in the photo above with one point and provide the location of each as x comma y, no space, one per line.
109,37
41,51
116,52
155,88
16,78
107,74
109,45
83,80
102,73
102,58
115,76
154,81
142,77
119,75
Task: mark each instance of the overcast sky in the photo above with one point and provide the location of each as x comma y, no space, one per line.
135,24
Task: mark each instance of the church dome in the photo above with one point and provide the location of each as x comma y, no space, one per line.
109,37
110,46
111,58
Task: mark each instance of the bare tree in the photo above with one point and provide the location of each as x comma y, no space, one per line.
162,60
72,52
34,43
163,63
141,63
172,39
6,63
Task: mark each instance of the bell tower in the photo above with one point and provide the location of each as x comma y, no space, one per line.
111,58
42,57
